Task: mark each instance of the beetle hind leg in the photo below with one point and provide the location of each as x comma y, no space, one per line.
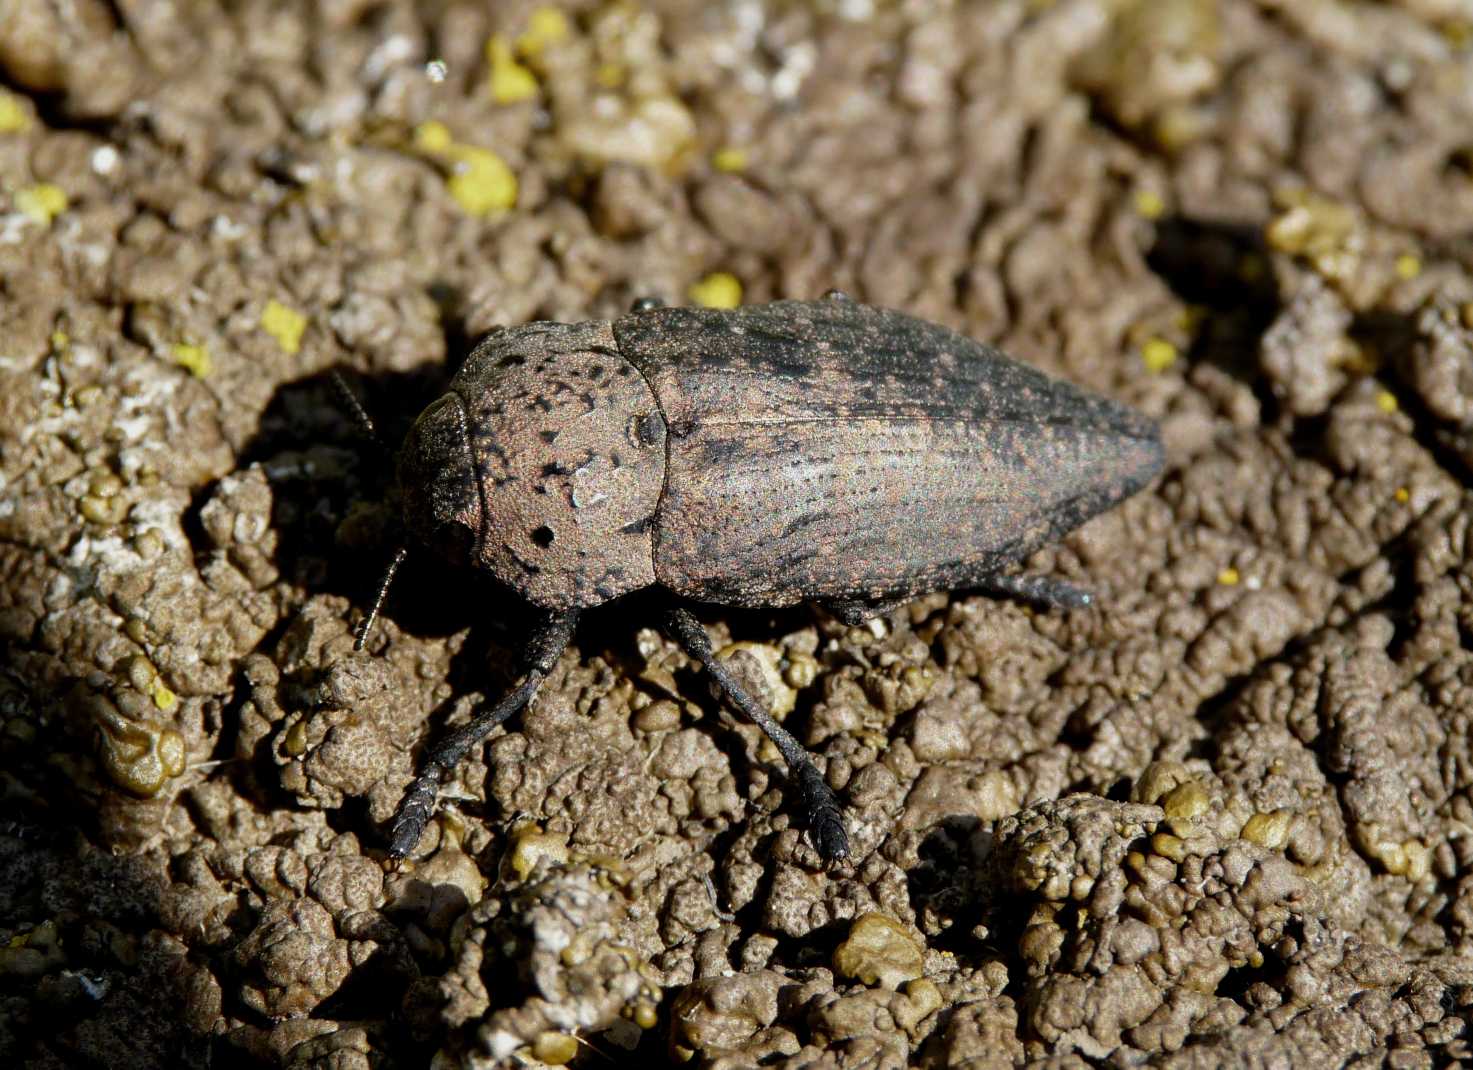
418,804
816,800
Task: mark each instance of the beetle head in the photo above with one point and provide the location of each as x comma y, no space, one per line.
437,478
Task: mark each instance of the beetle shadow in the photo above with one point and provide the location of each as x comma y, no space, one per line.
953,880
67,904
334,522
1224,267
334,502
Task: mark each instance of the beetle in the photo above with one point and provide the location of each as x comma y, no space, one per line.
800,451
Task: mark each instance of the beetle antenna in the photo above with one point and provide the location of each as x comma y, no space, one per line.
349,401
361,636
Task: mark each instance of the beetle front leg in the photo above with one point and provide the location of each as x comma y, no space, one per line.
418,805
819,805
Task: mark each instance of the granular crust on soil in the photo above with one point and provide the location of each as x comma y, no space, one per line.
1220,817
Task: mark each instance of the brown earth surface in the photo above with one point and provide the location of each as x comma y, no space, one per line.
1223,817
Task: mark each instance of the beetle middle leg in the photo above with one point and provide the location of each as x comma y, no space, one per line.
819,806
417,806
1039,590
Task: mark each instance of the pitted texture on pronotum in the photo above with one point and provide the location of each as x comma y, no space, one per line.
567,445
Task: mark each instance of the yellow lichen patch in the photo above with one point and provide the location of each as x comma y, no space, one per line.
1327,234
284,324
139,672
1158,354
1149,204
879,951
1386,401
545,26
1186,801
96,510
1168,846
14,118
42,202
33,954
295,742
1402,495
139,756
531,846
433,136
482,183
1269,830
1410,859
509,81
924,999
162,697
1157,780
194,359
720,289
801,669
554,1049
729,159
1408,266
1229,577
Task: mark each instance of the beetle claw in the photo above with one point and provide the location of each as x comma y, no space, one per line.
823,816
829,838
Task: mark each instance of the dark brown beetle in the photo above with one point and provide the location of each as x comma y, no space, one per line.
820,451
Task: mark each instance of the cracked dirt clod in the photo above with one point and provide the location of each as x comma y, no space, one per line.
1219,818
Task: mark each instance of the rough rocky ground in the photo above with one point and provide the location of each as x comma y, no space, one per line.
1222,818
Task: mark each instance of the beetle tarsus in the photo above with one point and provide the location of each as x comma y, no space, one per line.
1040,590
820,807
418,805
859,611
414,812
823,816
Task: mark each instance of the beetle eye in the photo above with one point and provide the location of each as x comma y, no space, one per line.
454,541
